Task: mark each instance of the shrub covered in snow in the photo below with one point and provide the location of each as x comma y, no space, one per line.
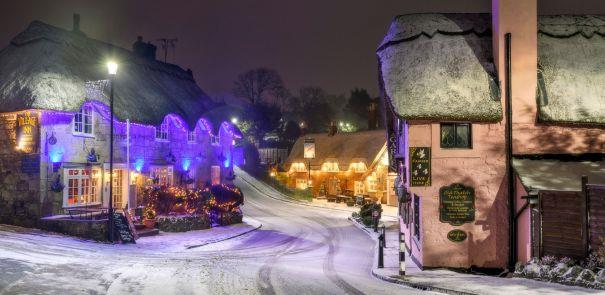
563,270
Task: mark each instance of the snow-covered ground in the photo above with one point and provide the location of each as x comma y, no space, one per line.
298,250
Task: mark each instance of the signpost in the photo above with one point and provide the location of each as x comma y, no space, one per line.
420,166
309,153
456,204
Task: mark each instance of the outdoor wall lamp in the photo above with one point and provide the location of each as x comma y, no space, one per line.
532,197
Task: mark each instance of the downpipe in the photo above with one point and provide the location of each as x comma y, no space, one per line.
512,219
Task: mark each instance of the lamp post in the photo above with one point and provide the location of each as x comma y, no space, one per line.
112,69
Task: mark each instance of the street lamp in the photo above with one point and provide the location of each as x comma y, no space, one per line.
112,69
234,120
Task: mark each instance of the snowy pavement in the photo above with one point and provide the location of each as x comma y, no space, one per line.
298,250
458,283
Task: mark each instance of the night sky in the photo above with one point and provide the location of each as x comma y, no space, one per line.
327,43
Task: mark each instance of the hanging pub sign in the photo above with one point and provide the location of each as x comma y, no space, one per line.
27,130
456,235
420,166
456,204
309,148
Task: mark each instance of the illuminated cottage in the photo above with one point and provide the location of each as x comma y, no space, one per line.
445,79
344,164
55,125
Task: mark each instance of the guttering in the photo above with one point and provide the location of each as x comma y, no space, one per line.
512,220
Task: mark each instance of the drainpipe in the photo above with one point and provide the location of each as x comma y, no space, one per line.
512,222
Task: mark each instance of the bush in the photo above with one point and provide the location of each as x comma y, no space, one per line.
367,210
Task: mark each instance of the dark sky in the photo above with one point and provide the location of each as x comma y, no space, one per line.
329,43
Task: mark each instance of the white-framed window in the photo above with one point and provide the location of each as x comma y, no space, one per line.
161,132
81,186
298,167
83,121
191,137
359,190
163,174
215,139
373,183
215,174
359,167
330,167
301,183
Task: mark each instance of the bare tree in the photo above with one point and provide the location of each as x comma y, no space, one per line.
256,84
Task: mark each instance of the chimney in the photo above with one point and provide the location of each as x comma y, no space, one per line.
520,19
76,23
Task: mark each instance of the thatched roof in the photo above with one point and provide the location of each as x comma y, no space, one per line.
439,66
343,148
571,60
552,174
46,67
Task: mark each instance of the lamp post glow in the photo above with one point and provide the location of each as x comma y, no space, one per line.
234,120
112,69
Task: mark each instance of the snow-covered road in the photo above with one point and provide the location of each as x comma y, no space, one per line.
298,250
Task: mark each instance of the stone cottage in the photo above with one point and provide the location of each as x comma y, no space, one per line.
55,119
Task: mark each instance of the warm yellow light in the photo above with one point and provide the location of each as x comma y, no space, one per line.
112,68
272,174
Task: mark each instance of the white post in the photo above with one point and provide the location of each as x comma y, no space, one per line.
128,163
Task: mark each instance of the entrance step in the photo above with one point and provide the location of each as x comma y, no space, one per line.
139,226
147,232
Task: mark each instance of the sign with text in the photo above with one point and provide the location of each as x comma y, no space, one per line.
456,235
309,148
28,130
420,166
456,204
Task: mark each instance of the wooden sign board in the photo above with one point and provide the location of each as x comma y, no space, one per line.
456,204
122,229
28,131
420,166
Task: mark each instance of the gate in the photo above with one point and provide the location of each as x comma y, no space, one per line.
571,223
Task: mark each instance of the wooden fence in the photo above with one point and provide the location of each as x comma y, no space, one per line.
571,224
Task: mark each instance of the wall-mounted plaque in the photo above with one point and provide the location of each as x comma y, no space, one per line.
28,130
456,204
420,166
30,163
456,235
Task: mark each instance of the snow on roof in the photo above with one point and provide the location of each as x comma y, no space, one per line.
552,174
439,67
571,75
45,67
343,148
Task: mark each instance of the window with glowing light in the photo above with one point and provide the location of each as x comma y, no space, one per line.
358,167
330,167
373,182
301,184
215,175
81,186
161,132
298,167
359,189
83,121
163,175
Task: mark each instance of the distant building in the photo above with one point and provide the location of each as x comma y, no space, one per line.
353,164
444,82
54,126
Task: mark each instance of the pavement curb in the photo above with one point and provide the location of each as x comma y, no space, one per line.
227,238
399,281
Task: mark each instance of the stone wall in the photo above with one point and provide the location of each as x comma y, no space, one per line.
19,192
87,229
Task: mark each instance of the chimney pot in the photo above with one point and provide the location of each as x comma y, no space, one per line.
76,24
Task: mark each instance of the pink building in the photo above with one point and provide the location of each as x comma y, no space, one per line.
448,79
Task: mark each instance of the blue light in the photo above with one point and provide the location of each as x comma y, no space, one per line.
186,164
138,165
56,154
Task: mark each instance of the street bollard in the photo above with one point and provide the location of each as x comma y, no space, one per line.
384,236
375,225
381,251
